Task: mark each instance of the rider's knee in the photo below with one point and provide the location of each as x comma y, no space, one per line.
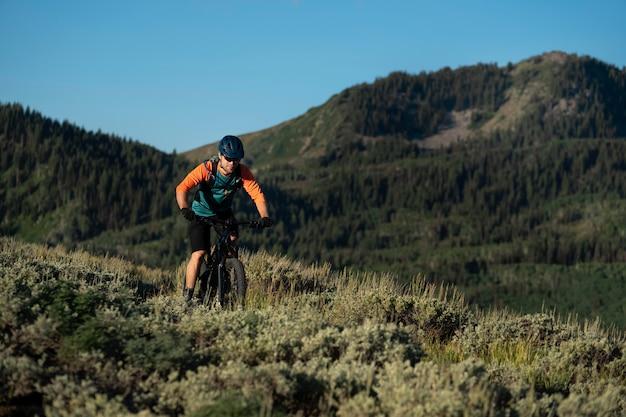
197,255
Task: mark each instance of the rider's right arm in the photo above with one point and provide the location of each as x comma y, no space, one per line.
195,177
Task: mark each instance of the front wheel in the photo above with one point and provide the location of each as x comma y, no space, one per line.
236,284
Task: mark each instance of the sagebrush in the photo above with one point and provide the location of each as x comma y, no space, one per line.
91,336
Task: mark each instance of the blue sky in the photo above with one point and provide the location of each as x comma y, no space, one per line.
177,75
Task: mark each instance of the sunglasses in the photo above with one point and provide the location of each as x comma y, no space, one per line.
236,160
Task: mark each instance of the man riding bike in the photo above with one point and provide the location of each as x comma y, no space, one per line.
218,179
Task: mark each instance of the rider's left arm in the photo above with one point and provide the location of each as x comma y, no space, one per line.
262,209
253,189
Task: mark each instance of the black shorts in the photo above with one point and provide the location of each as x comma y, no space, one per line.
200,233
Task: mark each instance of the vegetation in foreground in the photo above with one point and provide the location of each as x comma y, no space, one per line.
86,336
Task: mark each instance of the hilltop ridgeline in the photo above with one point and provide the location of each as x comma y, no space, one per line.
554,95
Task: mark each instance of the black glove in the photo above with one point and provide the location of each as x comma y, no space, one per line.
266,222
188,214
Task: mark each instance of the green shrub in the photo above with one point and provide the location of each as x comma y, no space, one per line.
427,389
439,321
590,400
539,330
95,334
160,351
435,319
576,361
232,404
68,306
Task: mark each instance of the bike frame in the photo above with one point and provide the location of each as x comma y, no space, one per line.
217,257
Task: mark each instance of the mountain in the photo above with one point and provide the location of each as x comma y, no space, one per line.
546,96
90,336
506,181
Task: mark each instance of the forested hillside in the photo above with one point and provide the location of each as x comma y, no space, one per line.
470,216
62,184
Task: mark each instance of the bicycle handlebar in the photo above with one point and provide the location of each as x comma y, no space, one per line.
253,224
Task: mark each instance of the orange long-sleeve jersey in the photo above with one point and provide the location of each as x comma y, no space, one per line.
210,201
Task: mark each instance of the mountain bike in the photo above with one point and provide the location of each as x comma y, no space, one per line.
224,280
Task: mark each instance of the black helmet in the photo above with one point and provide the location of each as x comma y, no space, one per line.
231,147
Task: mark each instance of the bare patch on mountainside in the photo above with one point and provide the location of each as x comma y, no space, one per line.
456,129
512,109
532,78
562,107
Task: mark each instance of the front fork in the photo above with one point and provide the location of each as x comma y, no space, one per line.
218,257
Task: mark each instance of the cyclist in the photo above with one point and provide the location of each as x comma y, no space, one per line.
218,180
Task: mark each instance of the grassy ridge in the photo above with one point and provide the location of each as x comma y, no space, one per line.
87,336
